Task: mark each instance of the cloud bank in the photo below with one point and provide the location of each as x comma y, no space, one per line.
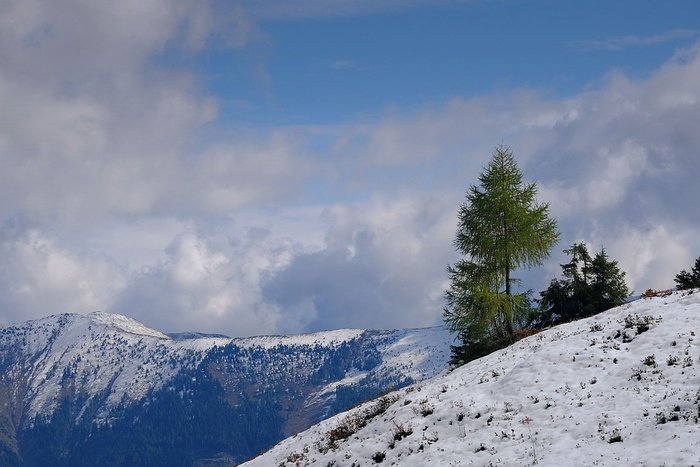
119,192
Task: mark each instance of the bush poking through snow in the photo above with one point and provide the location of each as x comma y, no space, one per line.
615,436
378,457
353,423
401,431
424,408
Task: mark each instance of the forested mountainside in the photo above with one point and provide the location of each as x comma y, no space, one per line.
103,389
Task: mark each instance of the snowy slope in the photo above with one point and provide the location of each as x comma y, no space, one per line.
620,388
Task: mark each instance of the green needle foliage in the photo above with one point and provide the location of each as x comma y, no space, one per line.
689,280
501,228
590,285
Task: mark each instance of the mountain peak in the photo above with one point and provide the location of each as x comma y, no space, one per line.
125,324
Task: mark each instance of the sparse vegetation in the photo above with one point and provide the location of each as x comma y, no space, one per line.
354,422
424,408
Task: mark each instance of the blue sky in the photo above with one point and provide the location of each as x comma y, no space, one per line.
330,69
250,167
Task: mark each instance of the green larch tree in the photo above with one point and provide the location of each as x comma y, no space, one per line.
501,228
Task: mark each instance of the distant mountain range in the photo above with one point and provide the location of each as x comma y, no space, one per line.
103,389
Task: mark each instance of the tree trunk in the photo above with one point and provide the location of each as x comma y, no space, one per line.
510,322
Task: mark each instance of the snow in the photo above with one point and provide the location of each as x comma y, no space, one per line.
419,352
113,356
101,352
324,339
619,388
126,324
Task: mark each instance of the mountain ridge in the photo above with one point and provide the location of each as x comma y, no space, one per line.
83,376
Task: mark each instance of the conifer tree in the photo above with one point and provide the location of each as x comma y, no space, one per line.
689,280
590,286
501,228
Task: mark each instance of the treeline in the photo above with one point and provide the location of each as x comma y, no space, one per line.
188,420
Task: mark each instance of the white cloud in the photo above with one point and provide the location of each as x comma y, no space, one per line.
343,64
281,9
97,122
127,203
38,276
382,265
625,42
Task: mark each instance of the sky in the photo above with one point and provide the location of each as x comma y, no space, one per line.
247,168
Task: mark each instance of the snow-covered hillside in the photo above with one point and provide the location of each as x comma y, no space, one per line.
620,388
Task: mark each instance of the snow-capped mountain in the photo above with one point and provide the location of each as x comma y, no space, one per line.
619,388
74,388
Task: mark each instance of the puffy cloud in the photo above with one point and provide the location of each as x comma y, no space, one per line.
100,118
39,277
131,202
383,265
210,276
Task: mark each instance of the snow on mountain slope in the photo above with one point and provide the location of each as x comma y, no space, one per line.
98,354
619,388
114,360
417,353
324,338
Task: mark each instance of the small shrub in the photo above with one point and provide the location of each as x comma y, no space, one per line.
424,408
401,432
378,457
649,360
615,436
295,457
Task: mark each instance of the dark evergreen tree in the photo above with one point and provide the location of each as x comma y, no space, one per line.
501,228
590,286
608,286
689,280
